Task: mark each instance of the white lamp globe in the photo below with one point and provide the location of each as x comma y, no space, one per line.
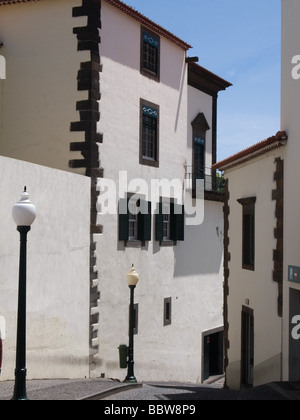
132,277
24,212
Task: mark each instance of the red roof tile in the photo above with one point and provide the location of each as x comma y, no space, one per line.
257,149
3,2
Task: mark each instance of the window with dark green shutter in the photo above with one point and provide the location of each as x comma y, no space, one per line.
177,222
135,219
123,220
169,226
159,233
144,221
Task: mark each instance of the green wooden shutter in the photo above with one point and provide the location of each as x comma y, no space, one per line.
177,222
144,221
123,220
159,231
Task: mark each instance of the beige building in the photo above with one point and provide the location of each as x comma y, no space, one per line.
253,257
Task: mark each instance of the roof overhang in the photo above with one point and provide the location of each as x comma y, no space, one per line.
206,81
275,142
130,11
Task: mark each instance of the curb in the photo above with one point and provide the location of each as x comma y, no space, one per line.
111,391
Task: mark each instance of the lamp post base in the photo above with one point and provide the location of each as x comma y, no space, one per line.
130,380
20,385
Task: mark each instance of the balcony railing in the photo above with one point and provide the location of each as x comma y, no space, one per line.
214,181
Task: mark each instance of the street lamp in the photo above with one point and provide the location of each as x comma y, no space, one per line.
24,213
132,280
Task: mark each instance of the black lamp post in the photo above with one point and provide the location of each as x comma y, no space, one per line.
132,280
24,214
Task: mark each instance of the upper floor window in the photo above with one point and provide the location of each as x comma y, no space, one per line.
150,54
149,134
200,127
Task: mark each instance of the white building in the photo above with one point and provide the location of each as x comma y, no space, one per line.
146,113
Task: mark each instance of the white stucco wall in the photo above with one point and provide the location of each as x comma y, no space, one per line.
290,122
191,272
40,91
57,271
254,289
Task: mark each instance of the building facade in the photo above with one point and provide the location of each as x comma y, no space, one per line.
289,122
107,93
253,261
261,245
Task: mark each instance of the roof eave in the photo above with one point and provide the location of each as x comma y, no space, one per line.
203,79
130,11
275,142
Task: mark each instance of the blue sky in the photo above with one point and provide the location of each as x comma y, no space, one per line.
240,41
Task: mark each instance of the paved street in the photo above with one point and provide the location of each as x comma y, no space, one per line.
191,392
174,392
110,390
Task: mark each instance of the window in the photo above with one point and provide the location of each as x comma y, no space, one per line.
150,54
169,222
134,219
200,127
199,157
166,210
167,311
149,134
248,262
133,222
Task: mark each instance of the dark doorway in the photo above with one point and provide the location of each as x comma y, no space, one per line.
213,355
247,358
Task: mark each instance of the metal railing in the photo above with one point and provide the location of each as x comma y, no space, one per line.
214,180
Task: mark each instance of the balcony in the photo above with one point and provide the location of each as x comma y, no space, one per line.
214,182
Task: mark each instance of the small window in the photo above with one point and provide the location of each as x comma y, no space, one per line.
248,262
149,134
133,221
166,210
150,54
167,311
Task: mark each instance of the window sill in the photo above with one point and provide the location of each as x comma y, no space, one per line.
167,243
149,162
248,267
150,75
134,244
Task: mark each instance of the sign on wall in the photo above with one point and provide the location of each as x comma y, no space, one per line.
294,274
